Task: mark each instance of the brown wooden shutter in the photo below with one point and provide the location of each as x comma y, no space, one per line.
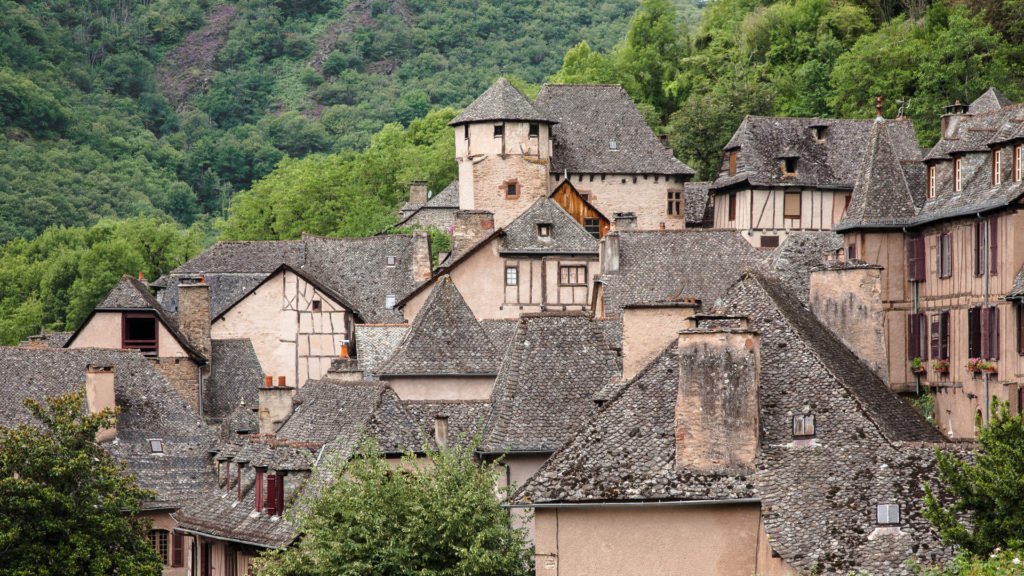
946,254
974,332
915,259
177,550
993,246
944,335
985,332
993,333
259,490
913,336
271,496
979,249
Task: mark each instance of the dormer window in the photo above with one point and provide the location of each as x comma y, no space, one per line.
1018,163
820,133
156,445
803,425
997,176
957,175
732,163
499,130
888,514
788,166
931,181
139,332
613,144
390,261
389,301
534,130
544,230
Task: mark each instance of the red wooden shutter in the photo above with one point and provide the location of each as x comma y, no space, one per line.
913,336
271,494
944,335
993,333
280,494
993,246
259,490
177,550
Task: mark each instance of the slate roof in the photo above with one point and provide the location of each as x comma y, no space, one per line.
466,419
502,101
445,339
695,202
354,268
817,499
544,391
447,199
235,376
657,266
990,101
591,116
567,236
500,331
1017,292
798,255
882,189
150,408
762,141
375,343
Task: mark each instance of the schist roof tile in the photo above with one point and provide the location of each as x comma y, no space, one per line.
502,101
818,500
565,235
445,339
554,365
600,131
235,377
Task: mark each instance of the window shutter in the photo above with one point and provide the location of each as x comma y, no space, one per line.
944,335
177,550
979,249
993,333
912,260
974,332
936,336
946,252
271,496
985,332
993,246
1020,329
259,490
913,336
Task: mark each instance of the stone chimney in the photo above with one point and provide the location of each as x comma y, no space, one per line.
624,221
471,226
951,119
99,395
717,414
418,192
421,269
345,369
648,328
275,404
194,312
848,300
609,255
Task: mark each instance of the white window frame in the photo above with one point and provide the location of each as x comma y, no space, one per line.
887,514
957,175
803,425
389,302
514,277
997,161
931,181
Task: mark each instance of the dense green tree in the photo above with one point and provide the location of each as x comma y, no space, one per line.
433,517
654,47
986,492
66,506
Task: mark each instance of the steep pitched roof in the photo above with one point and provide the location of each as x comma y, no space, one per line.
544,391
590,117
798,255
375,344
465,418
657,266
235,376
502,101
695,202
566,234
829,163
445,338
149,408
446,199
817,499
882,191
990,101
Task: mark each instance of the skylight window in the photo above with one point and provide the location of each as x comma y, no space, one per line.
391,261
156,445
613,144
888,514
389,301
803,425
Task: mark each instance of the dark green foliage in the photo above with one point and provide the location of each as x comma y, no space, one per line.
66,507
54,280
987,510
433,517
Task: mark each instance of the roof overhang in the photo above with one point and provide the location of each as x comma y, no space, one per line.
634,504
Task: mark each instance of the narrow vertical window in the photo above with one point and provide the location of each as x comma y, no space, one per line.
675,202
917,336
499,130
732,163
534,130
931,181
177,550
791,205
732,206
974,333
997,176
993,246
980,247
915,259
944,266
1018,163
1020,329
511,276
957,182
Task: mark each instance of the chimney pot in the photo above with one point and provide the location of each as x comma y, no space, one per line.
281,381
268,381
661,226
142,276
418,192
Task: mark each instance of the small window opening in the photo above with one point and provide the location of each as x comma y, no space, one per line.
803,425
572,275
769,241
156,445
511,190
675,203
820,133
316,305
389,301
789,166
593,226
613,144
534,130
888,514
390,262
511,276
544,230
791,205
139,332
499,130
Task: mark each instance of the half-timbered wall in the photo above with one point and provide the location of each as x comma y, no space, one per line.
762,212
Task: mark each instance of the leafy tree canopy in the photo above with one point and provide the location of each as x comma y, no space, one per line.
66,507
426,517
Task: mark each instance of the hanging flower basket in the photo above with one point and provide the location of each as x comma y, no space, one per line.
989,367
917,366
974,365
941,366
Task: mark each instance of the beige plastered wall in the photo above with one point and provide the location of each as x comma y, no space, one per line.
104,331
644,195
244,559
760,212
646,332
519,468
699,540
481,281
163,521
290,338
440,388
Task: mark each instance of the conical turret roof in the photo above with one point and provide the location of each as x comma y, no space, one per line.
502,101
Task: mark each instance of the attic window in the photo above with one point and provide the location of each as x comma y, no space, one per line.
820,133
534,130
139,332
888,514
316,305
957,175
543,230
390,262
613,144
788,166
512,190
389,301
931,181
499,130
803,425
593,226
511,275
156,445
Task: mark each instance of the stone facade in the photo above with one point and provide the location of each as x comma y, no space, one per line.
849,301
643,194
183,374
